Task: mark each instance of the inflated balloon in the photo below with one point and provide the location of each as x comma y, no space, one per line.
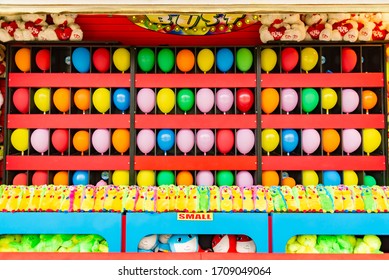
329,98
23,59
244,59
204,178
371,139
165,139
185,99
310,140
224,59
289,140
101,100
309,99
165,177
270,139
81,59
166,100
350,100
351,140
101,60
245,140
146,59
121,99
82,99
146,100
40,178
185,60
350,178
61,99
310,178
145,140
145,178
331,178
20,179
60,140
289,59
270,178
309,58
42,99
224,178
185,140
205,60
101,140
21,100
205,100
269,100
184,178
42,59
121,177
61,178
166,60
331,140
288,181
289,99
224,99
205,139
81,141
244,100
40,140
244,179
349,60
121,59
19,139
369,100
369,181
121,140
268,59
224,140
80,178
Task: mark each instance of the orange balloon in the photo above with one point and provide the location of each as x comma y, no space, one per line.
61,99
369,99
81,141
289,181
121,140
82,99
270,178
331,140
185,60
184,178
23,59
61,178
269,100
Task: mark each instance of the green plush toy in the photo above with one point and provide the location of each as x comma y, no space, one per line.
203,198
346,243
29,242
368,200
278,199
326,244
369,244
10,242
327,204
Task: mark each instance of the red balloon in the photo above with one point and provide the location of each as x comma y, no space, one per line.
349,60
289,59
244,99
224,140
101,60
40,178
42,59
60,140
20,179
21,100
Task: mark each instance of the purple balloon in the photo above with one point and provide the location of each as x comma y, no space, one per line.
101,140
204,178
289,99
205,100
185,140
40,140
146,100
244,179
145,140
351,140
245,140
350,100
224,99
205,139
310,140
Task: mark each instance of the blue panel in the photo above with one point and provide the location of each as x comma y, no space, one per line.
286,225
108,225
254,225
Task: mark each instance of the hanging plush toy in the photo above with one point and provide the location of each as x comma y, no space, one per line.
162,202
130,198
244,244
224,243
261,201
226,199
203,198
291,201
192,205
148,243
185,243
214,199
326,202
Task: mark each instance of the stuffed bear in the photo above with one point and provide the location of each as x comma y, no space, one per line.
2,67
375,27
272,28
344,27
66,28
316,28
295,28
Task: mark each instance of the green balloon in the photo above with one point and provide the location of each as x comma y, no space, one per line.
244,59
224,178
185,99
309,99
165,177
166,60
146,59
369,181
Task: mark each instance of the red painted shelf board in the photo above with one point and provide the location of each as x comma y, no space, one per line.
75,80
68,121
196,121
196,162
323,162
323,121
68,162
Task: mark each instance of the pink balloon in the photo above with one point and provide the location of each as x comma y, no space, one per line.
310,140
224,99
185,140
145,140
146,100
205,139
205,100
101,140
204,178
350,100
245,140
351,140
40,140
244,179
289,99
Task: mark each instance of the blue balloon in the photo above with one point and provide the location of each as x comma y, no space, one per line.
165,139
121,99
80,178
290,140
81,59
331,178
224,59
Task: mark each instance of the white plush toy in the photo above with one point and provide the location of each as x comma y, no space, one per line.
315,25
66,28
272,28
343,27
23,33
294,28
48,34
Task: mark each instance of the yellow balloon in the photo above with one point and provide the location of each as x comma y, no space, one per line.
205,60
121,59
23,59
121,178
310,178
42,99
19,139
270,139
101,100
268,59
328,98
309,58
166,100
145,178
371,140
350,178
